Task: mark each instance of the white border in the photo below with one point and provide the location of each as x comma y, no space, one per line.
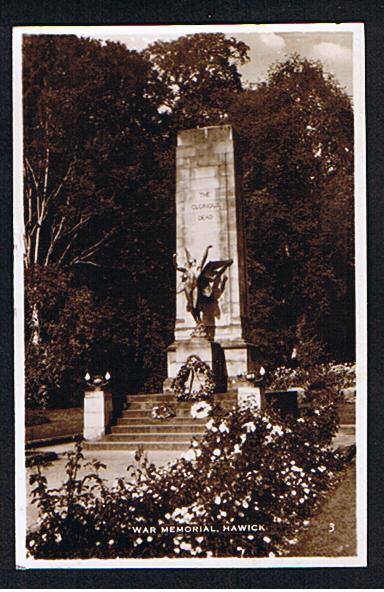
360,560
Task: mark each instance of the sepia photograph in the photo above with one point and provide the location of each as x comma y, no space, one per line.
190,300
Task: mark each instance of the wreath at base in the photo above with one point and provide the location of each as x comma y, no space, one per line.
192,371
162,412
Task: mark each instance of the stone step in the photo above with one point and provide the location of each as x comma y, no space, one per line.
170,399
348,429
155,437
148,420
110,445
171,428
146,414
225,404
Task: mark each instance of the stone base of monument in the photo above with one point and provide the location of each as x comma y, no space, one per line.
240,358
209,352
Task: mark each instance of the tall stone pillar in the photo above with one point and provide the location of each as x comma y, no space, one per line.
209,212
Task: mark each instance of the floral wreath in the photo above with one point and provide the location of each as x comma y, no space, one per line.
195,365
201,409
162,412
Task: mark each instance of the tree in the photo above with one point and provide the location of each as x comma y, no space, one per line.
297,141
89,135
199,76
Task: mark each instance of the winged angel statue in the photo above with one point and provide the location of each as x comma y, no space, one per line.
201,282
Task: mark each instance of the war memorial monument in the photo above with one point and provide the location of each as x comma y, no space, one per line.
211,301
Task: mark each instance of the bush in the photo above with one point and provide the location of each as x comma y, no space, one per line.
336,377
255,471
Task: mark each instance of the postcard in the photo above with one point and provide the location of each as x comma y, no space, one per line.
190,296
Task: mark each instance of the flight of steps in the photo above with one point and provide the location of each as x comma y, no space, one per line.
136,426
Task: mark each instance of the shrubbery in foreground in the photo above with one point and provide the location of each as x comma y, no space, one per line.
249,469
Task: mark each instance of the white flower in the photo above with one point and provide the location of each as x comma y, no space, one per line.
271,554
149,539
189,455
139,541
293,492
267,539
277,430
217,452
223,427
237,449
185,546
245,504
218,500
250,426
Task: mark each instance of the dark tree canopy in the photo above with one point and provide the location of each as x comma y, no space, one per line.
297,133
100,124
200,76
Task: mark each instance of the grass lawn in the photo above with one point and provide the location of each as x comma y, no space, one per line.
332,531
53,423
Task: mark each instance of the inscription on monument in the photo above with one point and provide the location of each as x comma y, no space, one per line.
206,207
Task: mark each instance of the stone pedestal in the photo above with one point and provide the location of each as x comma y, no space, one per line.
97,413
252,396
208,351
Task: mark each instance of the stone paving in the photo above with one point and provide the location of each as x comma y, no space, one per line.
116,462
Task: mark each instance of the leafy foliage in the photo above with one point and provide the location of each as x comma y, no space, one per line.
93,186
262,471
297,142
200,76
99,157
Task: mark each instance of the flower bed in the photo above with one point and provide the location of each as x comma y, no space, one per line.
243,491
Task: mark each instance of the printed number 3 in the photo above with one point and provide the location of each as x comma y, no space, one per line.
331,527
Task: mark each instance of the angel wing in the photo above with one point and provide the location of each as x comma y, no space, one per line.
212,268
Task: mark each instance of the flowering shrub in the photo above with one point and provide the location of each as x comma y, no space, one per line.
337,377
244,490
201,410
